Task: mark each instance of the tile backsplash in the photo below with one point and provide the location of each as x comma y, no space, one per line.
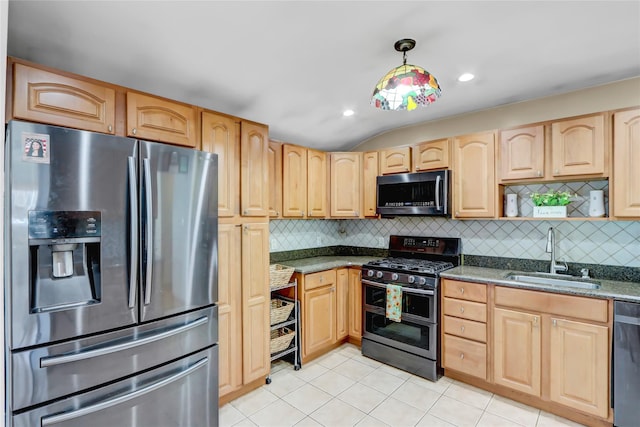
590,241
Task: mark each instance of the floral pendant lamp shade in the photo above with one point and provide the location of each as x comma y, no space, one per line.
405,87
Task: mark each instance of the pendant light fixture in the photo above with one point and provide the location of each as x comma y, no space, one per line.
407,86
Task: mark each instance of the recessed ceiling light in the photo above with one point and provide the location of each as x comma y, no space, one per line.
348,113
466,77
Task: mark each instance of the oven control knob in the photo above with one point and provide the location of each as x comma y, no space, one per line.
422,280
411,279
370,273
379,274
394,276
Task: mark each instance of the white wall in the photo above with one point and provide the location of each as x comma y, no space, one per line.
613,96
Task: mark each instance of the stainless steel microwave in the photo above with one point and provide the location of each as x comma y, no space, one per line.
421,193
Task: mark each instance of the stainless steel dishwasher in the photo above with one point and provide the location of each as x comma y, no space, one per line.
626,364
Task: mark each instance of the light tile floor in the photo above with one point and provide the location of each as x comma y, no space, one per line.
344,388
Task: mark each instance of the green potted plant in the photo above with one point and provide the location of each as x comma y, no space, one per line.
552,204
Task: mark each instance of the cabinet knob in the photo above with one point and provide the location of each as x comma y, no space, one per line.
246,212
277,213
461,328
557,171
356,213
535,322
462,290
110,128
555,322
461,309
333,289
539,173
133,131
461,355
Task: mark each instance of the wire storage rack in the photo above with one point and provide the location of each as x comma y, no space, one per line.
285,326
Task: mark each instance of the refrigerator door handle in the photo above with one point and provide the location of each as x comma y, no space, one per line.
133,198
67,416
46,362
149,233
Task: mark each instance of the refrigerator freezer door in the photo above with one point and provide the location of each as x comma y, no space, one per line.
43,374
179,217
79,176
183,393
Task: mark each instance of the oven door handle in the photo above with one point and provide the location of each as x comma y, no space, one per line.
405,290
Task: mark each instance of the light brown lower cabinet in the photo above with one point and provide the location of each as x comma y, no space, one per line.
355,305
545,349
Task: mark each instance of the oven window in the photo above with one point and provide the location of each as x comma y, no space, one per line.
404,332
418,305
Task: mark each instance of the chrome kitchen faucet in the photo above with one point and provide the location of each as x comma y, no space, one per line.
554,267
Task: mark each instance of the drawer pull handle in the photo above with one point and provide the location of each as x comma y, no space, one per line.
461,309
461,328
461,356
462,290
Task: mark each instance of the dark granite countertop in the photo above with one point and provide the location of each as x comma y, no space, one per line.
626,291
321,263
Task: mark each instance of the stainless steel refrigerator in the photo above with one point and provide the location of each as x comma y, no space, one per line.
111,281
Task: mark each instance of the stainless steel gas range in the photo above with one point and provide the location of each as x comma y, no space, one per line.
413,268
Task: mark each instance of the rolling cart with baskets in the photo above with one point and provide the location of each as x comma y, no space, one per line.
285,317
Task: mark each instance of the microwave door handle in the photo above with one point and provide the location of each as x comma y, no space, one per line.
149,228
67,416
438,185
133,260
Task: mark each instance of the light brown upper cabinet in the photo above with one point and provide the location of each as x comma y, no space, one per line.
580,147
395,160
46,97
316,184
626,164
522,153
474,179
294,181
369,184
275,179
220,135
430,155
158,119
254,169
346,184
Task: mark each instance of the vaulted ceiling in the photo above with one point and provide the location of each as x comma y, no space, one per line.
296,65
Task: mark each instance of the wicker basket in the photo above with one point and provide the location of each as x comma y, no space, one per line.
279,274
280,310
280,339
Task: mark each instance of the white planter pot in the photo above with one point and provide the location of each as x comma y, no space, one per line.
549,211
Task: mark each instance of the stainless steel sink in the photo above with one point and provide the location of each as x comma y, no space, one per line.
547,279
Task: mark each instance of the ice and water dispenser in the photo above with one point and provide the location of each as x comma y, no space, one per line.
64,258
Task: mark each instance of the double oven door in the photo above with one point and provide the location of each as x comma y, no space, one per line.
416,333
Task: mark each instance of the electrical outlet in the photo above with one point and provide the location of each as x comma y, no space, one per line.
381,242
318,240
273,244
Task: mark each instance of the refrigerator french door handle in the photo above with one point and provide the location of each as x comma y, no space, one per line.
66,416
133,198
46,362
149,228
438,182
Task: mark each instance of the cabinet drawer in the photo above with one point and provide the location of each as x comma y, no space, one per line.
322,278
465,356
465,328
465,290
545,302
465,309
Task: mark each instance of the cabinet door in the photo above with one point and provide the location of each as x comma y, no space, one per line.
229,308
579,367
294,181
355,303
346,184
522,153
474,183
45,97
369,185
579,146
254,170
430,155
342,303
395,160
255,301
275,179
157,119
316,184
626,164
319,323
516,350
220,136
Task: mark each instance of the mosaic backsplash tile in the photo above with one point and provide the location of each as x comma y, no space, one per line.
614,243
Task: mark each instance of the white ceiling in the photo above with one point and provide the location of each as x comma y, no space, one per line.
296,65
